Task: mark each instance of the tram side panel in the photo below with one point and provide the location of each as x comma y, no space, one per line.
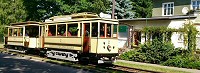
15,44
63,47
17,41
105,49
104,46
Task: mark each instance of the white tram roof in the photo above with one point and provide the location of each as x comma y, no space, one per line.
26,23
20,24
79,17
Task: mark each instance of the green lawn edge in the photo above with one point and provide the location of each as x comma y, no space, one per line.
151,68
1,45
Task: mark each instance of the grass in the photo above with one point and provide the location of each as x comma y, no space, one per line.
1,45
151,68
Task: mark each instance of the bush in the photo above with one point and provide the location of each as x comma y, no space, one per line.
154,52
133,56
184,61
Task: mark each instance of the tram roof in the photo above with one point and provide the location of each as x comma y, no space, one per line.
25,23
78,17
83,20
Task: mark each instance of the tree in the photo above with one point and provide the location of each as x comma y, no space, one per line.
43,9
75,6
39,10
11,11
143,8
123,9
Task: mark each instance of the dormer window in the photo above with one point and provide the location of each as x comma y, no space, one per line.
195,4
168,9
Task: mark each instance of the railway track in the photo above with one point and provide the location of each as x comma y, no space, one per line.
113,67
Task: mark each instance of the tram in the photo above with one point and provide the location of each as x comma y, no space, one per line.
24,37
77,37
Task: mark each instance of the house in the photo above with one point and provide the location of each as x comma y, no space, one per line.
167,13
175,7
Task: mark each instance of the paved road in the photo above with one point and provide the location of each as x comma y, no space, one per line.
13,64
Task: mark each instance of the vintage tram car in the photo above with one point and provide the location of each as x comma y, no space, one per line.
24,37
77,37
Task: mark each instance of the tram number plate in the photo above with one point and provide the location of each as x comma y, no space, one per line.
67,47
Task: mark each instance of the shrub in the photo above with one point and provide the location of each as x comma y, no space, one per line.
185,61
154,52
128,55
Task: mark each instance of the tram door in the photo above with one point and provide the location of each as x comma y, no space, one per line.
86,38
41,30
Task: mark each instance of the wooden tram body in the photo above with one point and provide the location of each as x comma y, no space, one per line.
76,37
24,36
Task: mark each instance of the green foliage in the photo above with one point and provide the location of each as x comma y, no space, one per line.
129,9
190,37
188,59
42,9
39,10
123,9
161,33
185,61
157,51
73,29
158,48
11,11
143,8
152,52
164,34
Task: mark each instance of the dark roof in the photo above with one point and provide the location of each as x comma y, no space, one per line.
159,18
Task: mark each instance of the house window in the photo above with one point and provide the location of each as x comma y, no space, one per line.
168,8
195,4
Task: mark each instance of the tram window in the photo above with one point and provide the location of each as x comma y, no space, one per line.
15,32
61,30
20,32
102,29
114,30
87,30
10,32
94,29
27,31
72,30
108,30
52,30
32,31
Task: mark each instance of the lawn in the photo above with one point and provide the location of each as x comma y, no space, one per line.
1,45
151,68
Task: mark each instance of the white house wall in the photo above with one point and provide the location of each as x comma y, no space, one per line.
198,37
177,38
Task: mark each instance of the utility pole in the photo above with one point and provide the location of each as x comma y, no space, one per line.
113,9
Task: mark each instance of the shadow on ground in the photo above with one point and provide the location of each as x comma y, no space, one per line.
13,64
